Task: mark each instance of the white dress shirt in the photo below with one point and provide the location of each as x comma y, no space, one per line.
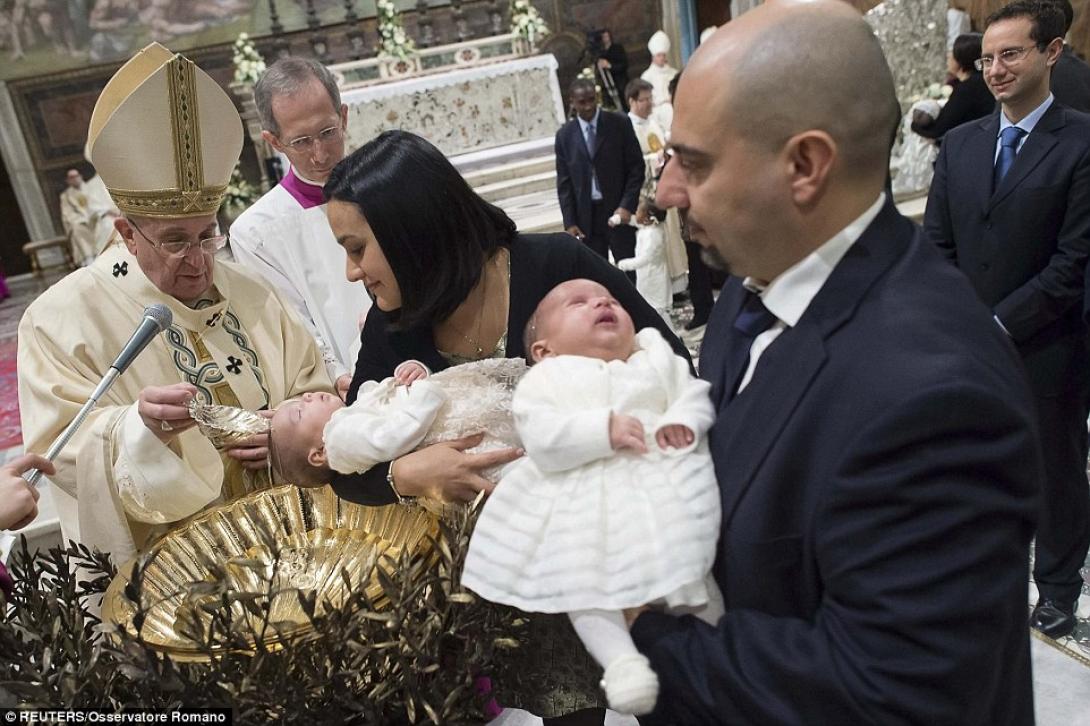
788,296
1027,124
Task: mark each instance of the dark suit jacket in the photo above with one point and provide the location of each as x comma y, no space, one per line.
878,482
539,262
1023,247
1071,81
617,160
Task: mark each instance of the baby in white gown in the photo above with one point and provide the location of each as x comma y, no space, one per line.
316,434
615,504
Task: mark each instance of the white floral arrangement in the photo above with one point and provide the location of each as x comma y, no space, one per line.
588,74
240,193
934,92
526,22
393,41
249,65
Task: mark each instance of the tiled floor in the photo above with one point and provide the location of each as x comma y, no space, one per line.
1055,662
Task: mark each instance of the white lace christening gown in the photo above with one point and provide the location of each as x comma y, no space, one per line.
574,525
387,421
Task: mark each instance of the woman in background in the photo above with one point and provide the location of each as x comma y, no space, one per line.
970,99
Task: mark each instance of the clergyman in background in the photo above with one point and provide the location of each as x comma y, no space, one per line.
284,236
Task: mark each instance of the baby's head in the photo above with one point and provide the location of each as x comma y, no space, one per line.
295,439
579,317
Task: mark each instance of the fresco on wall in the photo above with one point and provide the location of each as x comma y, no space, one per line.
49,36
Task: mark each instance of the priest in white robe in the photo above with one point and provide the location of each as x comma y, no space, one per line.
164,137
88,215
659,74
652,138
285,236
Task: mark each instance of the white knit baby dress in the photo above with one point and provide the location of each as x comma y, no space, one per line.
574,525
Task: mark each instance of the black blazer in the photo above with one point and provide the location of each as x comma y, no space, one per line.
1071,81
617,160
878,479
1023,246
539,262
970,100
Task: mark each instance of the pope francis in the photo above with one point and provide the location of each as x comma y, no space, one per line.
164,137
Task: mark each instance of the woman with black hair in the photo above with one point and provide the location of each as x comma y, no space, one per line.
453,281
970,99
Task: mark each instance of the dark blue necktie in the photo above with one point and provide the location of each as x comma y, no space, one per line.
753,319
595,190
1008,149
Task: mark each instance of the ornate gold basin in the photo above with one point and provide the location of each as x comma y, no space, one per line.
299,541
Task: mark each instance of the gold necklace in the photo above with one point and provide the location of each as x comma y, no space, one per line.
476,342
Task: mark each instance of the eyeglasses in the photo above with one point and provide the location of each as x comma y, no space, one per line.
1008,57
325,136
177,249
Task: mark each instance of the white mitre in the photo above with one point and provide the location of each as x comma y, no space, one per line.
146,141
659,43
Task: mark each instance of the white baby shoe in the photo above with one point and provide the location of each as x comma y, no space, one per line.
630,685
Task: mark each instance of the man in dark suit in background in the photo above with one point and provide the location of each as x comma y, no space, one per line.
874,439
1010,206
613,59
599,172
1071,75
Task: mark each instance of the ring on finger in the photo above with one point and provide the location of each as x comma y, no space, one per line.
165,426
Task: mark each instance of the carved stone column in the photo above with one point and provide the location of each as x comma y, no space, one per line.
495,17
24,178
356,38
461,26
671,25
424,23
279,45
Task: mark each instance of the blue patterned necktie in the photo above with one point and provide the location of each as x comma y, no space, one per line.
1008,149
595,190
752,320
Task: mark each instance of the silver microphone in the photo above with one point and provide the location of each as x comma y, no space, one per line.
157,318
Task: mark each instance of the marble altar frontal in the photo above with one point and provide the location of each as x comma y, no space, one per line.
463,110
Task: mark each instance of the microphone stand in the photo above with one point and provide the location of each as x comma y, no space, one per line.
61,441
156,319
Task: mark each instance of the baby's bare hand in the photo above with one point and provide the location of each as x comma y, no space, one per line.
674,436
626,432
409,372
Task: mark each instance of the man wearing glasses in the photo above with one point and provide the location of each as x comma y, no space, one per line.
1010,206
284,236
164,138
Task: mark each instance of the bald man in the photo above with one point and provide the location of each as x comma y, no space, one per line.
874,440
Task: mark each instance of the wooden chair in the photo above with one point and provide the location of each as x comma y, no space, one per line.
33,249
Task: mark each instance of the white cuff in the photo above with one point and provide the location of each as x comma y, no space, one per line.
155,485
